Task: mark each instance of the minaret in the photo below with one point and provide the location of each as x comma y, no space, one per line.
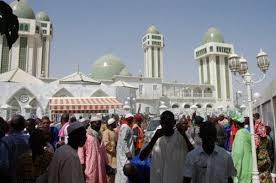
153,44
212,57
31,51
46,26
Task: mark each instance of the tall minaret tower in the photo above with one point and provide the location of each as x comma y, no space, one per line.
43,65
153,44
212,57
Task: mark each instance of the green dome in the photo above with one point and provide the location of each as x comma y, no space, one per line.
213,35
107,66
152,30
124,72
22,9
42,16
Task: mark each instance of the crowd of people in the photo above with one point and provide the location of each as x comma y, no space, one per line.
214,149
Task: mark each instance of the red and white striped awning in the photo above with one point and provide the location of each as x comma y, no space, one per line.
83,105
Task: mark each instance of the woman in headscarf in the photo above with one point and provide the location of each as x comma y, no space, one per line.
262,143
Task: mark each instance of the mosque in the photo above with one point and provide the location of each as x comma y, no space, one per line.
28,89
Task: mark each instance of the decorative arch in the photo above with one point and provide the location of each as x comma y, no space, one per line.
186,106
37,109
63,92
197,92
175,106
99,93
199,106
20,92
209,106
15,107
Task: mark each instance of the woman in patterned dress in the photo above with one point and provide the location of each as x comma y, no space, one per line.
34,163
262,143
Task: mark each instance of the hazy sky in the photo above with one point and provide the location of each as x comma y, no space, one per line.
84,30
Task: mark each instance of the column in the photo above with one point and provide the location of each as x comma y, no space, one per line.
30,55
145,63
156,64
149,62
1,44
161,64
14,55
204,65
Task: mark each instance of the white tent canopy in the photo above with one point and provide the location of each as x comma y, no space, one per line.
19,76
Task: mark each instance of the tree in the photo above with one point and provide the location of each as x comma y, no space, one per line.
9,24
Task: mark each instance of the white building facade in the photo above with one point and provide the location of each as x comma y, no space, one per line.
212,57
27,88
31,52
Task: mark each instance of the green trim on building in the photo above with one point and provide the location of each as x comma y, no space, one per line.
208,70
201,71
227,78
152,61
159,63
22,63
5,56
43,64
218,77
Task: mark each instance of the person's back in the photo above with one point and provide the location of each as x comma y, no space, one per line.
168,157
61,167
14,145
242,156
221,135
65,165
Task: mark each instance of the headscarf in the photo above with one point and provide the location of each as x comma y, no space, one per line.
237,116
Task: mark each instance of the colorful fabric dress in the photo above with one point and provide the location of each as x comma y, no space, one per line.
227,129
233,132
143,174
264,162
242,156
28,170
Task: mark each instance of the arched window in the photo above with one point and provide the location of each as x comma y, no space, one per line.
209,106
186,92
198,106
197,92
175,106
187,106
208,92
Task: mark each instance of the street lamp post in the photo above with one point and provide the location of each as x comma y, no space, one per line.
238,94
132,104
194,107
240,65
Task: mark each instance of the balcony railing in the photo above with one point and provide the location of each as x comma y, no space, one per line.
197,95
208,95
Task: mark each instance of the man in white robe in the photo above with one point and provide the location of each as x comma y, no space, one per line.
168,148
65,165
125,148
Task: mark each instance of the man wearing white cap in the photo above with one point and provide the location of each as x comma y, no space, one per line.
109,141
125,148
65,165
